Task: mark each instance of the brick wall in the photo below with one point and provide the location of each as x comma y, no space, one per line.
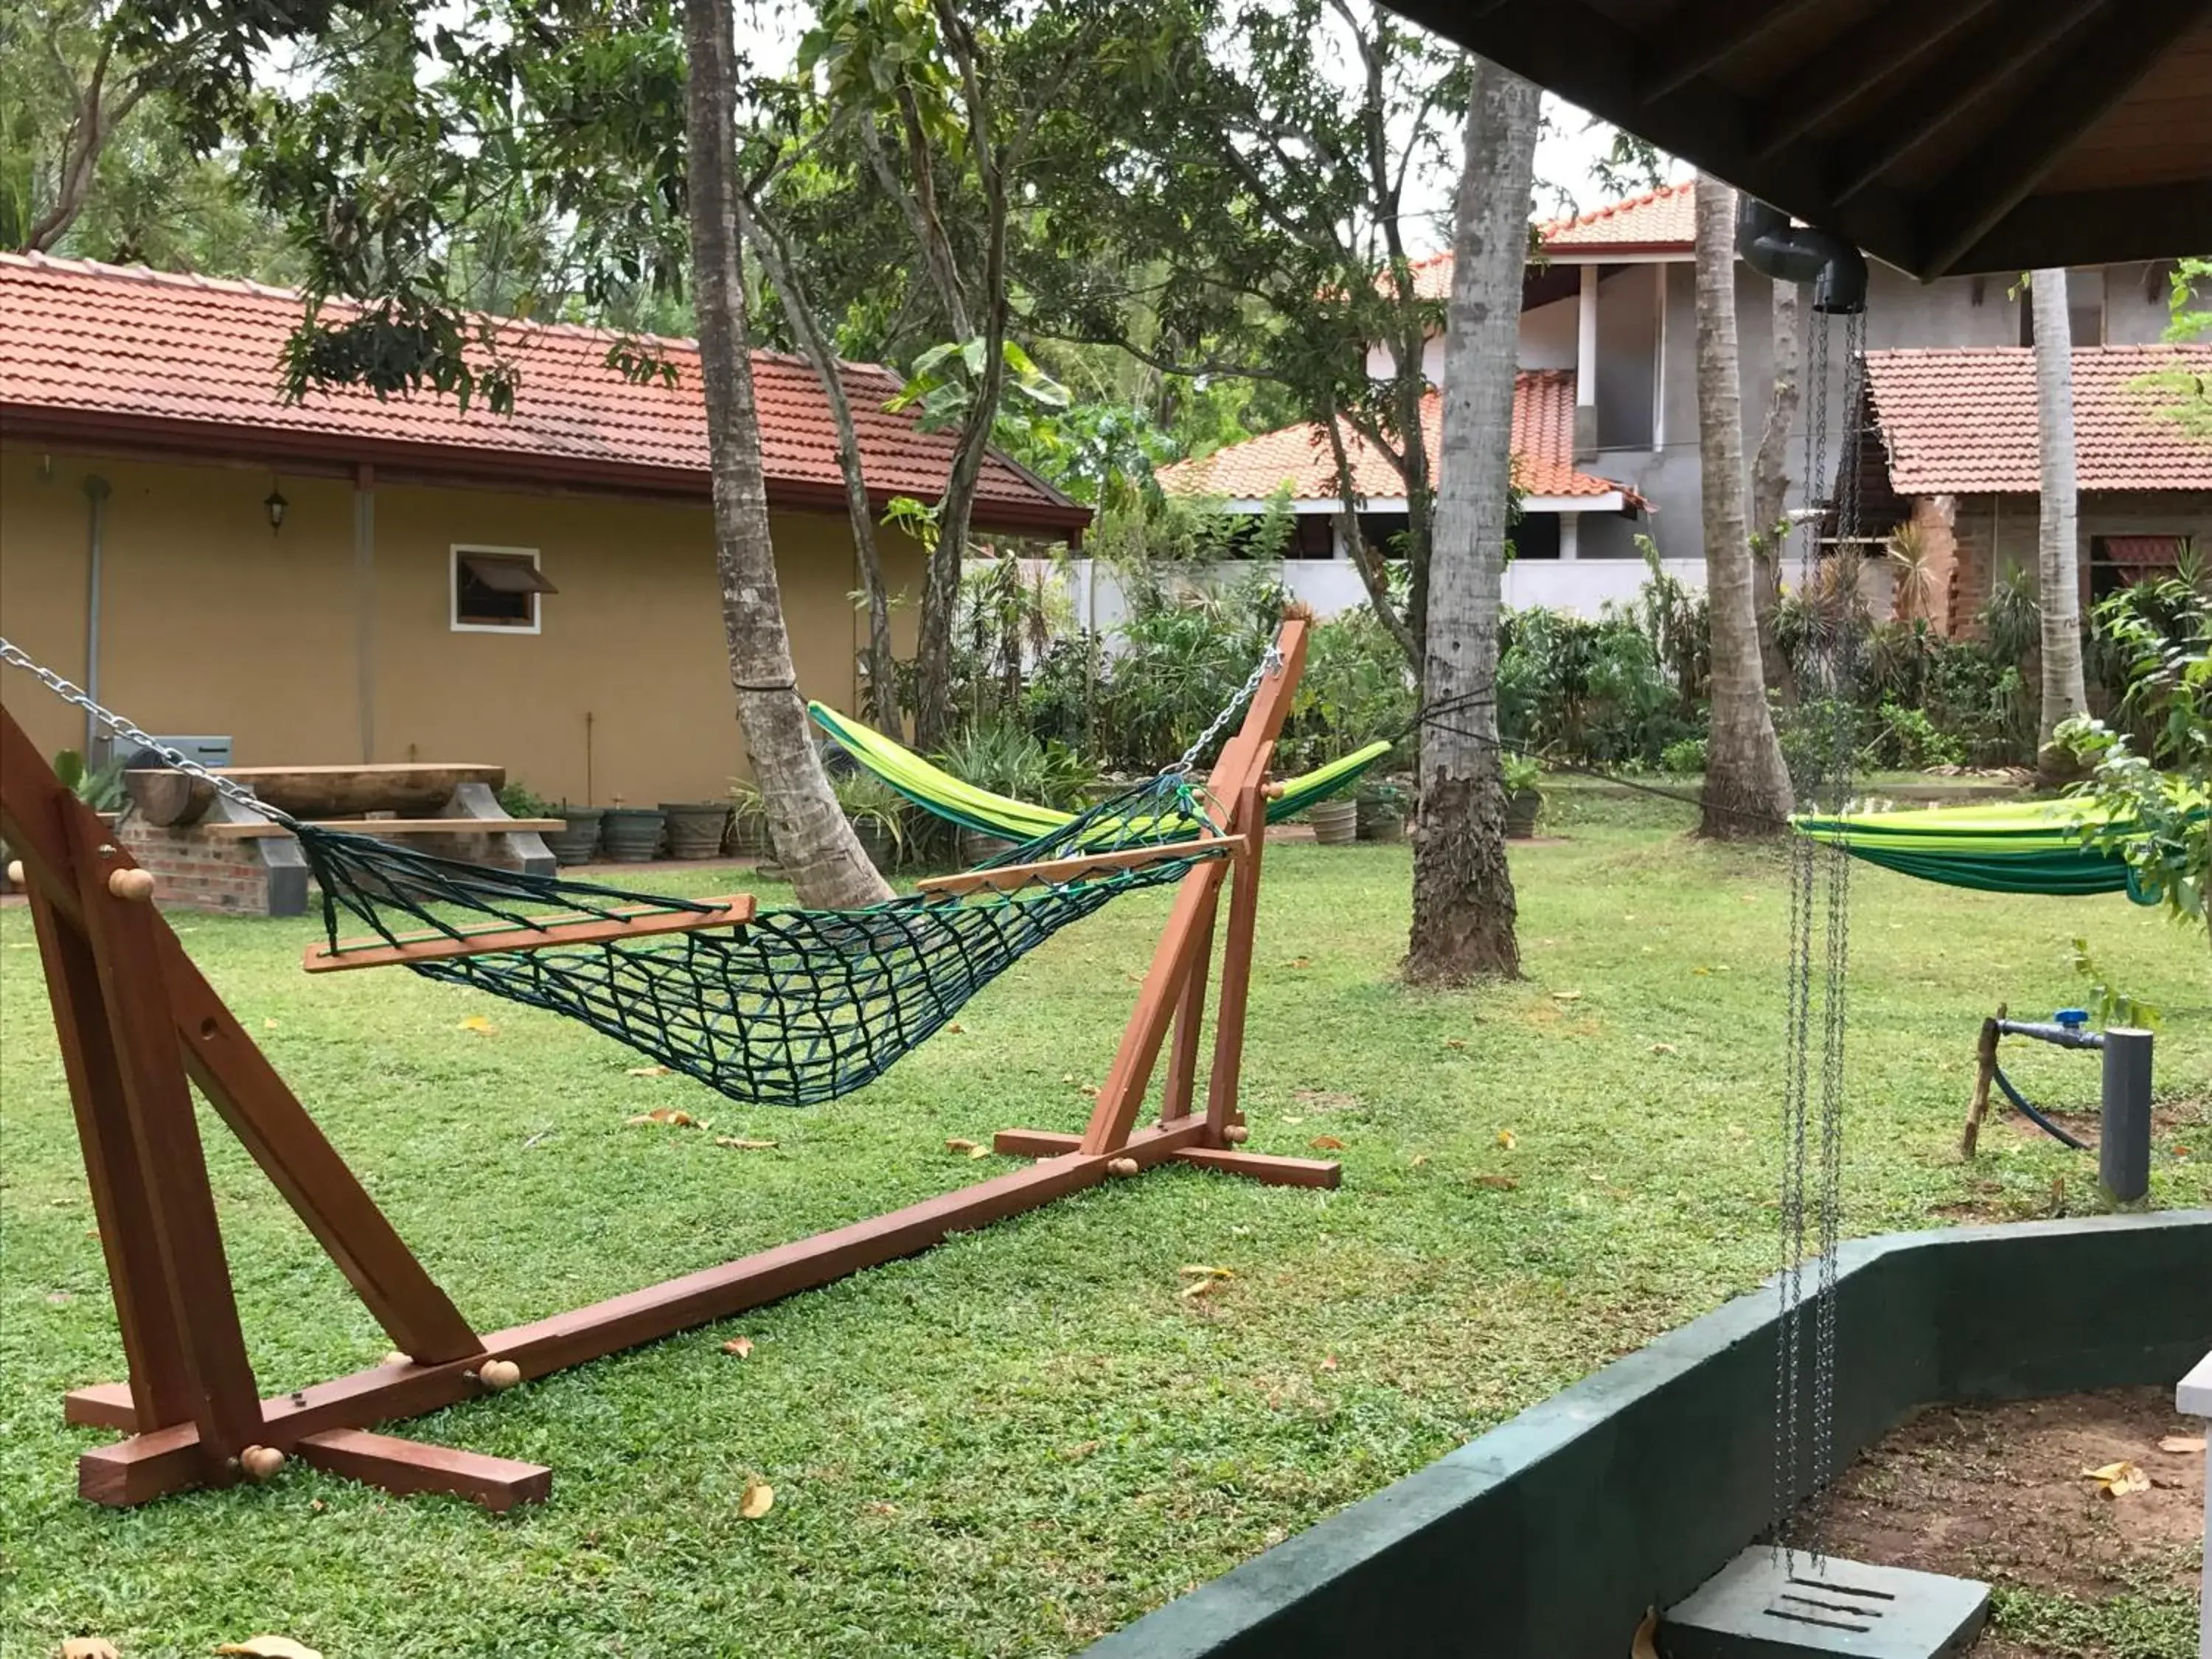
1993,532
195,872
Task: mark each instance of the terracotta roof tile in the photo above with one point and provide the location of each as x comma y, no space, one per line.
1963,421
1300,456
190,359
1665,219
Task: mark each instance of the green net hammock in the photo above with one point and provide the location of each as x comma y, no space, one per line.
2031,847
794,1007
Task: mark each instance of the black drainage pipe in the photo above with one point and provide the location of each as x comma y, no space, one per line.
1772,246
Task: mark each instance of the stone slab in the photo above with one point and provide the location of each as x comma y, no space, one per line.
1767,1605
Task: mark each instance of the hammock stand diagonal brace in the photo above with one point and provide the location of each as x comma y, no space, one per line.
139,1025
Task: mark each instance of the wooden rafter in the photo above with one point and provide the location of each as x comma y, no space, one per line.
1891,43
1695,37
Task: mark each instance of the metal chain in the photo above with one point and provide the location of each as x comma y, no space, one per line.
1269,664
69,692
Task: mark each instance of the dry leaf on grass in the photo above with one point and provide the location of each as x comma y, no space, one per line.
740,1345
881,1509
1662,1047
2182,1442
758,1498
953,1026
1505,1139
88,1647
1200,1287
1199,1270
1329,1362
736,1145
1566,996
1299,962
1499,1183
481,1027
2117,1479
646,1071
971,1148
270,1647
667,1115
1416,1160
1326,1143
1455,1042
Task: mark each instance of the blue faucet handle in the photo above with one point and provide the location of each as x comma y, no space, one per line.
2072,1019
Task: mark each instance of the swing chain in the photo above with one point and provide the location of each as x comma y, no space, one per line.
1269,664
69,692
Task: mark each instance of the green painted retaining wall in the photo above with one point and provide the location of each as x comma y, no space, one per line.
1550,1535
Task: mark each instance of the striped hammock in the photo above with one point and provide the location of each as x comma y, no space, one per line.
2018,847
935,790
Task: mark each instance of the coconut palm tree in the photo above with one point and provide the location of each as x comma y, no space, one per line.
2057,561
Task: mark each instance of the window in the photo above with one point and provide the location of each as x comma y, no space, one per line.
495,589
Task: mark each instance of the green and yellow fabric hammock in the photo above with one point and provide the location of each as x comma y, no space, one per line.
935,790
2019,847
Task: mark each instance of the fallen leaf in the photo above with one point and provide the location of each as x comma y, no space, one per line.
1326,1143
979,1151
2182,1442
1067,1077
953,1026
1200,1287
667,1115
1198,1270
88,1647
738,1145
268,1024
1505,1139
1455,1042
1701,972
481,1027
1329,1362
647,1071
1645,1644
1662,1047
1501,1183
740,1345
2117,1479
1566,996
960,1147
758,1499
1299,962
270,1647
881,1509
1077,1454
1416,1160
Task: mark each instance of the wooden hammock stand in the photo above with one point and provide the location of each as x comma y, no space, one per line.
138,1024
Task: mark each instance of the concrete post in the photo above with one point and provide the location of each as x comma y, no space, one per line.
1586,366
2123,1153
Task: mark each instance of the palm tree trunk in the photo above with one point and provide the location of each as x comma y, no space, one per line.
2057,557
1770,488
1747,783
813,842
1464,908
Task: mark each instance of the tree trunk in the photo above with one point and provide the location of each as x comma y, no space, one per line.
883,700
1747,782
1463,903
1770,488
813,842
2058,560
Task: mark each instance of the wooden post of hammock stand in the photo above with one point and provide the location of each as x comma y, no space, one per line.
135,1018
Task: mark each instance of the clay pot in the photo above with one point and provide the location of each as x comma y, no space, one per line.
1335,823
695,828
1522,808
580,841
631,834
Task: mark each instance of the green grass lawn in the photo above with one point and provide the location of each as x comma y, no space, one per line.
1029,1436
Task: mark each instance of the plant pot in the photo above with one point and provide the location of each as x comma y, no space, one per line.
1522,808
695,828
1382,826
745,837
631,834
878,842
1335,823
976,847
578,840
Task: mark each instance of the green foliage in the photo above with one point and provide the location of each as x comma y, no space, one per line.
518,800
1684,759
2109,1005
2185,390
1904,739
2157,788
1589,691
1006,758
100,788
1356,690
872,805
1520,773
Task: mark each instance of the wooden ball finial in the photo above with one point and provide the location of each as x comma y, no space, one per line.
135,885
499,1375
258,1463
1122,1166
14,872
1237,1134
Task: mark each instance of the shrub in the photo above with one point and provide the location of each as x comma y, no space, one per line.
1685,759
1906,738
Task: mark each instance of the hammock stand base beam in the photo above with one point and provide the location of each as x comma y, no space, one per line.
137,1022
1262,1167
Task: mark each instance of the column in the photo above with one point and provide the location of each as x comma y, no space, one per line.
1586,367
1570,533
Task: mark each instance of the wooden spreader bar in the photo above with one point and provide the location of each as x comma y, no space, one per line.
628,921
1011,877
271,830
137,1021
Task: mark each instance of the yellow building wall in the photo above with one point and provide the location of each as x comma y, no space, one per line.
211,624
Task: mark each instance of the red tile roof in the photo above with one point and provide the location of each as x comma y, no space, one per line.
1661,221
1963,421
1300,456
190,363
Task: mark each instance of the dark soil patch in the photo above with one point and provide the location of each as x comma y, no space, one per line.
2178,1128
1998,1494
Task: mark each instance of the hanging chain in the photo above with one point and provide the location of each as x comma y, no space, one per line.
69,692
1270,664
